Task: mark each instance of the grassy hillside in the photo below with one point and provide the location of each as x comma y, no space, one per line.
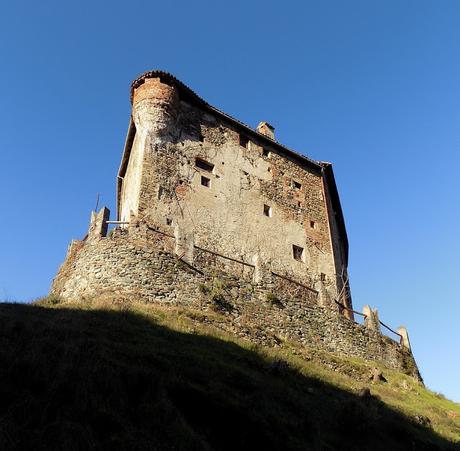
81,377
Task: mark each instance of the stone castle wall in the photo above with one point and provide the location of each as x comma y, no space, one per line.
140,262
162,182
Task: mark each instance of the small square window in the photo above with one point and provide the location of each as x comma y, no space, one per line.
297,252
313,224
205,181
244,141
168,221
296,185
268,211
323,277
265,153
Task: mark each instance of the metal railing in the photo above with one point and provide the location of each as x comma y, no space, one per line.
312,290
295,282
349,309
365,316
224,256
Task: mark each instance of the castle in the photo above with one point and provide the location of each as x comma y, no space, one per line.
203,197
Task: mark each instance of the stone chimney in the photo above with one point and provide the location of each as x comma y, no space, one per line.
266,129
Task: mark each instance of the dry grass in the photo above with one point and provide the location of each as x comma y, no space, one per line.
112,373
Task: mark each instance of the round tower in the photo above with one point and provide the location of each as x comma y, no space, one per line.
155,108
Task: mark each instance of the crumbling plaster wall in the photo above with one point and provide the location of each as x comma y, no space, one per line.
228,216
132,181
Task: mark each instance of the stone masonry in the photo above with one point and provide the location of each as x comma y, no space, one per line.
139,263
194,172
213,215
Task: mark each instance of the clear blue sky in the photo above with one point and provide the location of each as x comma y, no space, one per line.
372,86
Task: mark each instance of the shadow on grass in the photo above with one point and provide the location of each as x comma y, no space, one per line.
81,380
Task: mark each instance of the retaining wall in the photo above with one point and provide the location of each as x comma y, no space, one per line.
141,263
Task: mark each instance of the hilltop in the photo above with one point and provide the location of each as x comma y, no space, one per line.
124,375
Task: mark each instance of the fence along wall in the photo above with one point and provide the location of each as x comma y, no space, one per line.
141,263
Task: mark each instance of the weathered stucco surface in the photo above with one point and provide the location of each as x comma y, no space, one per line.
256,205
132,181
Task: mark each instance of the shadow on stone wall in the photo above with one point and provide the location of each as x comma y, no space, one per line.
74,379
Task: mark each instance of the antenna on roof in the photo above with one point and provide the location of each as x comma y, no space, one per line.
97,202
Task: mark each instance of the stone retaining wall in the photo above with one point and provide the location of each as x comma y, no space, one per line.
141,263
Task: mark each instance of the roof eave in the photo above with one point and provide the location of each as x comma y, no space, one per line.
336,205
195,98
124,161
